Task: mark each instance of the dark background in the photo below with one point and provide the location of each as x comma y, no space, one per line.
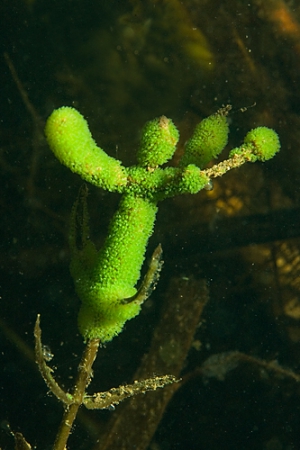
122,63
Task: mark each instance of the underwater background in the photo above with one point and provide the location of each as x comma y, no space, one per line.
237,246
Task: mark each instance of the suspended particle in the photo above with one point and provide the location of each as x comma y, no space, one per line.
47,354
209,186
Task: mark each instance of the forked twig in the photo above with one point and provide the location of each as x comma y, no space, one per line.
45,370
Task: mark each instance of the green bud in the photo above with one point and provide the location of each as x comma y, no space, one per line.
158,143
209,139
264,142
69,138
192,180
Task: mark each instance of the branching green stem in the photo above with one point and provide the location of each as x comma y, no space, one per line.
105,279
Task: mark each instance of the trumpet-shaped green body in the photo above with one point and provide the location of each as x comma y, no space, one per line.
105,279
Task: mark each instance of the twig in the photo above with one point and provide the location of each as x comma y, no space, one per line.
114,396
46,371
83,380
220,169
74,401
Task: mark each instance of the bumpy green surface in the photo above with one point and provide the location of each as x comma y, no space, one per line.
104,279
261,144
69,138
103,284
264,143
208,140
158,144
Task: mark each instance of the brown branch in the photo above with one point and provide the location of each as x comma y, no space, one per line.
45,370
83,380
114,396
237,160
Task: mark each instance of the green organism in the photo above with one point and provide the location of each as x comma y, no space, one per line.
105,279
208,140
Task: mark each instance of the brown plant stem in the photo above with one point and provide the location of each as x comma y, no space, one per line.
237,160
84,376
45,370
